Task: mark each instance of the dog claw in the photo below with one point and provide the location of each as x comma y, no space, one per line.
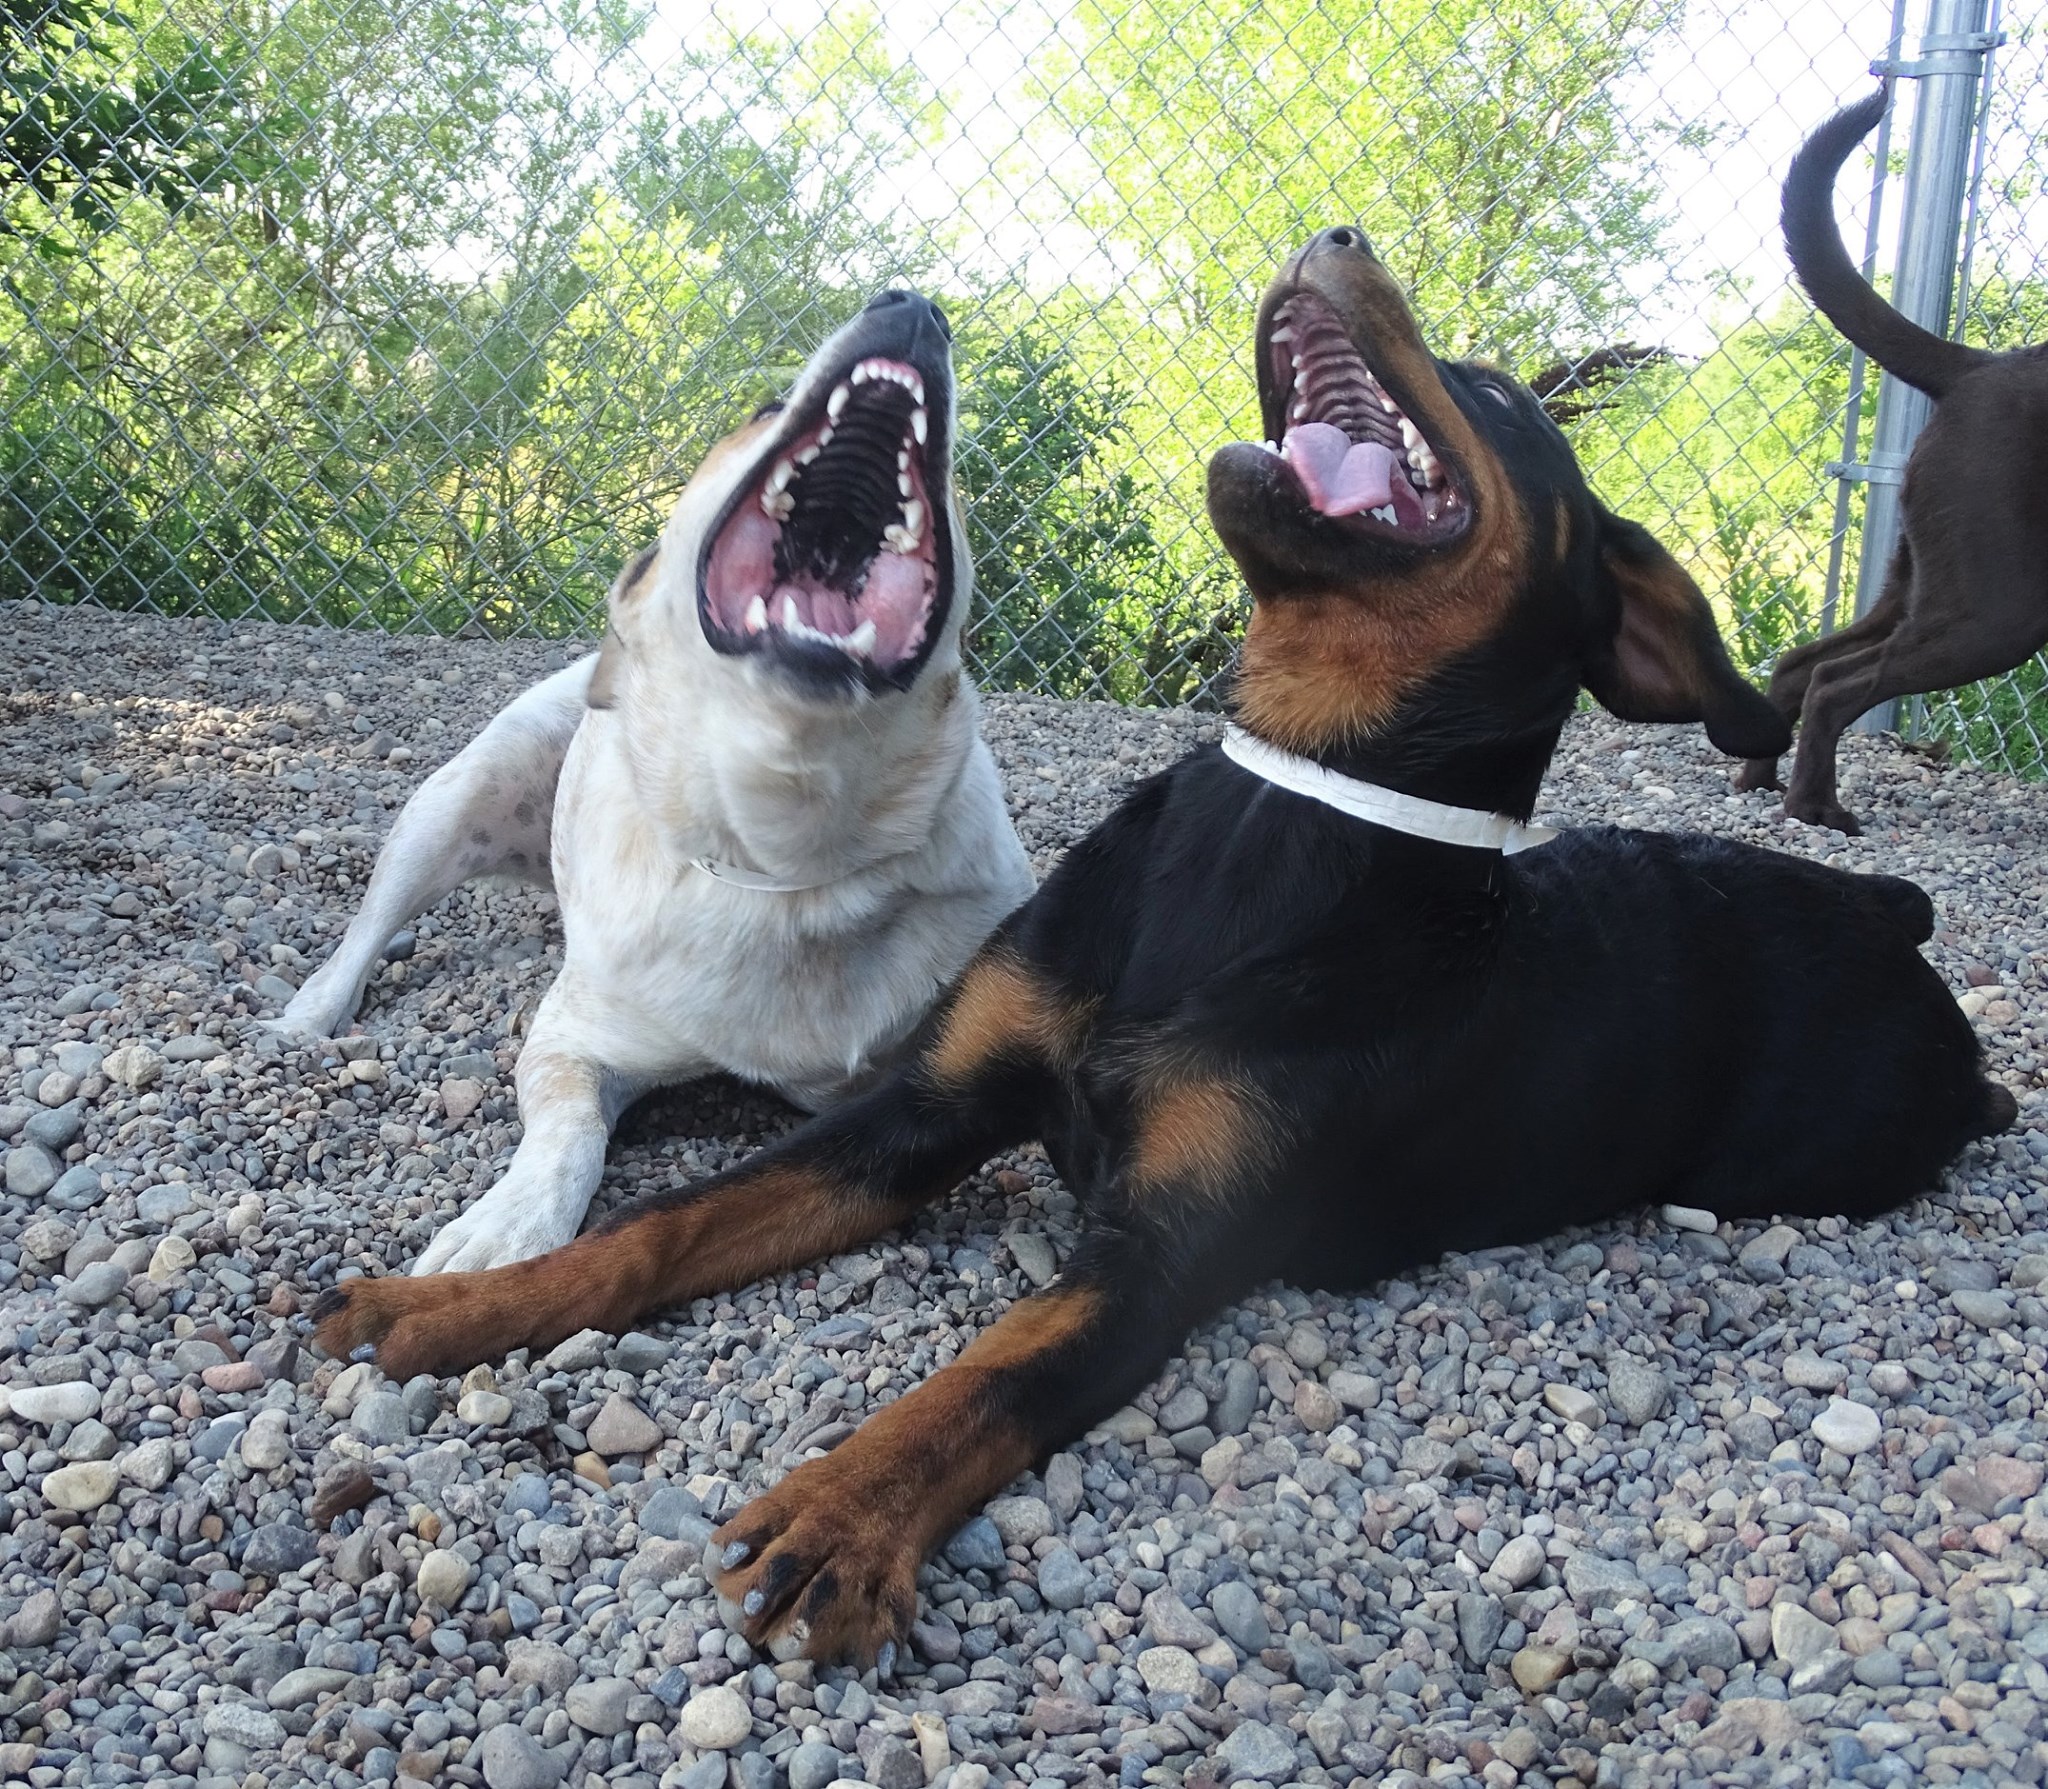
885,1660
363,1351
734,1555
753,1603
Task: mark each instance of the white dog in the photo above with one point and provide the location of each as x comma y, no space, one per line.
774,831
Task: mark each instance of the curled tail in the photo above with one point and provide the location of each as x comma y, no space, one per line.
1845,297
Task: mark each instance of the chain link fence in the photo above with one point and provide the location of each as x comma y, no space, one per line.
415,314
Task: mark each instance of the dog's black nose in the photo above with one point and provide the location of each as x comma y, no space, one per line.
897,295
1343,236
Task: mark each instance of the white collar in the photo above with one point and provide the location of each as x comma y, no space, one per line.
1383,807
755,879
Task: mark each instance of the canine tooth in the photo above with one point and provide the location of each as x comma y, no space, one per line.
918,424
1411,437
757,614
913,520
792,618
777,505
861,640
809,454
1285,333
861,374
915,383
784,471
837,401
1385,513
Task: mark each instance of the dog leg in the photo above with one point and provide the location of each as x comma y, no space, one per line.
975,1086
488,809
1796,670
568,1106
825,1564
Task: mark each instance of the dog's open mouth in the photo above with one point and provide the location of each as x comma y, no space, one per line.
830,552
1353,448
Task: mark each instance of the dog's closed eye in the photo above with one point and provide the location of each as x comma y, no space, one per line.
1498,393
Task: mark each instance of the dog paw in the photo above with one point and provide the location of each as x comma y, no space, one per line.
1822,813
484,1237
404,1326
1758,773
816,1569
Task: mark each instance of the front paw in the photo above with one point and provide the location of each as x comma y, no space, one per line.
492,1234
405,1326
1758,773
819,1569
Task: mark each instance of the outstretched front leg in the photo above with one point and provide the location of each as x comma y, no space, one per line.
826,1563
975,1085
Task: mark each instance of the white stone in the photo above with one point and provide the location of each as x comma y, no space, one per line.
1691,1217
1810,1373
150,1464
267,1445
443,1577
1848,1428
82,1487
1171,1669
715,1719
73,1401
1520,1560
171,1257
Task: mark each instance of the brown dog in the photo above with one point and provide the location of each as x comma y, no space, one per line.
1966,594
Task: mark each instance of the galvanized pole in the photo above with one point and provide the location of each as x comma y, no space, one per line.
1948,67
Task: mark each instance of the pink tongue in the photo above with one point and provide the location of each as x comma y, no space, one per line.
1340,479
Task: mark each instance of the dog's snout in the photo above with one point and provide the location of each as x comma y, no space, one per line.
925,310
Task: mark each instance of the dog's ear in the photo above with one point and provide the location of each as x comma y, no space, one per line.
611,656
604,681
1659,657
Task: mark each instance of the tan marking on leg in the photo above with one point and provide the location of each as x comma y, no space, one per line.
757,1224
1197,1135
1004,1009
834,1549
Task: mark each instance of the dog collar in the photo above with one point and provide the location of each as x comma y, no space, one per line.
739,878
1383,807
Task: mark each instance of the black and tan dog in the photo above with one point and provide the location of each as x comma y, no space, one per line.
1261,1036
1966,593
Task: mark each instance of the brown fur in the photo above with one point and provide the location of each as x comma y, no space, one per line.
1196,1137
833,1551
757,1223
1005,1010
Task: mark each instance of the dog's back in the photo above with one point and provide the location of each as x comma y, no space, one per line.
1844,296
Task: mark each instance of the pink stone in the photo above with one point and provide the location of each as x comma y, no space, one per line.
2006,1477
233,1375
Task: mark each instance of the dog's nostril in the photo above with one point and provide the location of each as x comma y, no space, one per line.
894,295
1341,237
939,317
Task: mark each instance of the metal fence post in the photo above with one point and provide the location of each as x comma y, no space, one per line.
1949,65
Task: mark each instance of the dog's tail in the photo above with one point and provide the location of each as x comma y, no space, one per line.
1845,297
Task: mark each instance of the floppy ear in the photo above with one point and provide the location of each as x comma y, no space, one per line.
1664,660
611,657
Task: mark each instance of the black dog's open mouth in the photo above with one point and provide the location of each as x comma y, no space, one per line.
831,548
1348,442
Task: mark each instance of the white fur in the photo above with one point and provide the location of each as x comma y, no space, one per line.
891,801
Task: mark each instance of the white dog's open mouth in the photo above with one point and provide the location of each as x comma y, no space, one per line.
830,553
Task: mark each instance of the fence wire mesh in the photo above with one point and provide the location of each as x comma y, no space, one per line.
415,314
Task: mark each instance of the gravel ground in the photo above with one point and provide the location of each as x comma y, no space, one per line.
1666,1502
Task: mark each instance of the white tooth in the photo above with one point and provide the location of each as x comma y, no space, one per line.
899,539
1285,333
780,477
778,505
836,403
1385,513
1389,406
915,383
861,640
903,459
757,614
808,455
792,618
913,520
1411,437
1300,410
918,424
903,484
861,374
